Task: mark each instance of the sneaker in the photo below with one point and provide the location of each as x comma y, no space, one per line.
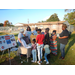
39,63
44,60
32,61
47,62
35,61
60,57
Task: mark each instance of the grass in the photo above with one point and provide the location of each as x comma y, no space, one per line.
54,60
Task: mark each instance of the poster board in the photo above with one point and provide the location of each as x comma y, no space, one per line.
7,41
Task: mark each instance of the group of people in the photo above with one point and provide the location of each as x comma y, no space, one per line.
45,42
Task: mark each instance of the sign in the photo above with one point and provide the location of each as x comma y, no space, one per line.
7,41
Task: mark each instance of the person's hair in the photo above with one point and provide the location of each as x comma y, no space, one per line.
21,30
29,28
64,25
47,29
39,30
34,40
54,31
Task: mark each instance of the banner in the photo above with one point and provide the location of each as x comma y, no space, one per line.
7,41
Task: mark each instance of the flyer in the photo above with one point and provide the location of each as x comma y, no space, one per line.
7,41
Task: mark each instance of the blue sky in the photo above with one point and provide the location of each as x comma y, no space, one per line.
34,15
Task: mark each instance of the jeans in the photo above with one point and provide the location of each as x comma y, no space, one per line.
45,55
19,43
39,49
34,55
62,49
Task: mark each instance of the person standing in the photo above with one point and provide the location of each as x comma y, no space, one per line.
47,39
63,40
39,39
35,31
53,45
28,32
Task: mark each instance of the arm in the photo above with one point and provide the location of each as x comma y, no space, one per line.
64,37
19,40
54,37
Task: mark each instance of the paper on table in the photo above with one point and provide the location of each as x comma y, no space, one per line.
28,46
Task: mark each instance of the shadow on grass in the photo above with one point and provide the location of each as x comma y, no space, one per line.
70,43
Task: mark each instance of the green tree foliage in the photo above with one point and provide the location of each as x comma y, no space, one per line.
1,24
53,17
70,17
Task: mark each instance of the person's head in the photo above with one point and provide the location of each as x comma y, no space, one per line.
28,28
54,32
21,30
33,41
47,30
36,28
39,31
64,26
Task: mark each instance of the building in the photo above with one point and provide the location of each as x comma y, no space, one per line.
51,25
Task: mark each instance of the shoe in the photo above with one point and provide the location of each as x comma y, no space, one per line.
44,60
47,62
32,61
61,58
39,63
35,61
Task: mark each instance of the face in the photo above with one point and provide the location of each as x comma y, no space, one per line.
46,31
53,33
23,32
38,32
63,28
28,29
33,42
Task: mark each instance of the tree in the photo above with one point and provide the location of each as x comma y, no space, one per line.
53,17
1,24
70,17
6,23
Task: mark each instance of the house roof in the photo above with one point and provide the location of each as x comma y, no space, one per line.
47,23
44,23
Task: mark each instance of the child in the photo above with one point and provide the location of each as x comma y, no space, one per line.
47,51
34,50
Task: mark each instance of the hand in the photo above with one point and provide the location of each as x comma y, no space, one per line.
59,37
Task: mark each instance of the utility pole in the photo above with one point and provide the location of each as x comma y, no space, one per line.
28,21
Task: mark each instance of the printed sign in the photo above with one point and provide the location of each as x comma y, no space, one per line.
7,41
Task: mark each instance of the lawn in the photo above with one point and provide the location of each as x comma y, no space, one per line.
54,60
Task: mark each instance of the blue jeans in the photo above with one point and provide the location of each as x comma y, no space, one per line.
45,55
19,43
40,48
62,49
34,55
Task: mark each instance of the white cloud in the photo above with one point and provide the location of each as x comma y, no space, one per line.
46,18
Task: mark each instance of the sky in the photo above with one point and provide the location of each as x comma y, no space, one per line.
34,15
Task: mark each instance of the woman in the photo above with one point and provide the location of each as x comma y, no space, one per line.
39,39
28,32
46,40
53,45
63,40
20,35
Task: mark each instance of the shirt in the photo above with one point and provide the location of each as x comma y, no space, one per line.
47,50
28,33
64,33
40,38
33,46
20,35
35,32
